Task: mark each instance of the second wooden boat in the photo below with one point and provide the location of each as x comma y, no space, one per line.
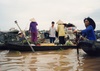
90,47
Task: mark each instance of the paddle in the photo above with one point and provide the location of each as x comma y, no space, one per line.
25,37
77,43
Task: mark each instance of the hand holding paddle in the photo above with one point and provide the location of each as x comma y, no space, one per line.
77,38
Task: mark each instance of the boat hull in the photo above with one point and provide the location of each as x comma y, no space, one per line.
90,47
25,47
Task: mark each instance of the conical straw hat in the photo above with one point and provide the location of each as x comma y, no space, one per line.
32,20
60,22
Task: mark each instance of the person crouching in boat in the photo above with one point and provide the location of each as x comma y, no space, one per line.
21,36
33,30
52,32
89,31
61,32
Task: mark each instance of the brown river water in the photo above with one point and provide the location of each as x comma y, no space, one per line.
60,60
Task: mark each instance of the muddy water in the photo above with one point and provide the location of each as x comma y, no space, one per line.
64,60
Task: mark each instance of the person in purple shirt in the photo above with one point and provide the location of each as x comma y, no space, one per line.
89,31
33,30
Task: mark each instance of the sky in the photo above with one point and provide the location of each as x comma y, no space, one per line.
46,11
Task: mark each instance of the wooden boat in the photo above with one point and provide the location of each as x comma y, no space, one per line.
90,47
8,42
25,47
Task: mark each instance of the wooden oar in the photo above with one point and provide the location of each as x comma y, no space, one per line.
25,37
77,38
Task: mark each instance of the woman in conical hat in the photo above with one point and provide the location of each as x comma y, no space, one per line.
32,20
59,22
61,32
91,22
33,30
89,31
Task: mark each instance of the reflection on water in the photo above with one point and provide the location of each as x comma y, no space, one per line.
65,60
